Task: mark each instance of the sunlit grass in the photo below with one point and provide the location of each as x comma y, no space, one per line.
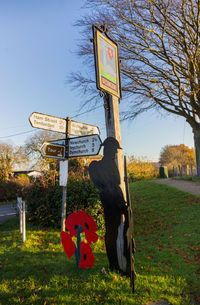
166,226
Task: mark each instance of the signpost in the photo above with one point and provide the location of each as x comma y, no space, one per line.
50,150
84,146
82,129
52,123
48,122
60,142
79,146
68,148
87,143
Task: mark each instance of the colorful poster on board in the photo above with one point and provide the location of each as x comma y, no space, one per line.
107,67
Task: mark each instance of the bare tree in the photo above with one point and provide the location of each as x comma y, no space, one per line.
159,55
33,147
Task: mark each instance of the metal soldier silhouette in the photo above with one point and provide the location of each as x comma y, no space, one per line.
105,176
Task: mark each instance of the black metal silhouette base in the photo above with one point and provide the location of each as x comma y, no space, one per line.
117,213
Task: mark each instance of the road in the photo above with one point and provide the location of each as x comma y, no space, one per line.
7,211
186,186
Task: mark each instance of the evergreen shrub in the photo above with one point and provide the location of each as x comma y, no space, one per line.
44,200
13,188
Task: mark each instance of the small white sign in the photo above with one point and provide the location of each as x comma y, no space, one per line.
47,122
84,146
63,173
82,129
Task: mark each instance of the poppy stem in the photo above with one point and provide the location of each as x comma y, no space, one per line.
78,249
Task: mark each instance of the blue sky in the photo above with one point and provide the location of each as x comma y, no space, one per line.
38,45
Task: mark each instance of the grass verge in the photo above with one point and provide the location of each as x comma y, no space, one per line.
167,258
167,238
187,178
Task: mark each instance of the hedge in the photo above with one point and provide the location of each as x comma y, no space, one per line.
45,200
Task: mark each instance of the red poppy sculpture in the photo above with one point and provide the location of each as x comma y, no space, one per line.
76,224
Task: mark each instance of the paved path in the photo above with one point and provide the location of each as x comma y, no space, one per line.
7,211
186,186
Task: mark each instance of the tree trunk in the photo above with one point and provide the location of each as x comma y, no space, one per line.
196,132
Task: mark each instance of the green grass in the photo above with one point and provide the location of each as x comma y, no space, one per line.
8,202
187,178
167,258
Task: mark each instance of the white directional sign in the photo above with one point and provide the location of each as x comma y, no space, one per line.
61,142
48,122
84,146
82,129
52,123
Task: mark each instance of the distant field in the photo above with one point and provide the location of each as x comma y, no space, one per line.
166,225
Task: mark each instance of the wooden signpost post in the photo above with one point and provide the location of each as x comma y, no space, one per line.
21,205
108,81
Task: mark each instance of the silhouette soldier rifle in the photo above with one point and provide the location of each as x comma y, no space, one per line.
105,176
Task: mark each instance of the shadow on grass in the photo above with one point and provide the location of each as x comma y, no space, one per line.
39,272
48,276
36,272
167,237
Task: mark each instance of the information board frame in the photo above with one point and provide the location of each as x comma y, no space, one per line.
104,83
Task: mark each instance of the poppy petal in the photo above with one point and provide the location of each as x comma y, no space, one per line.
72,223
81,218
91,225
87,222
87,257
91,237
68,244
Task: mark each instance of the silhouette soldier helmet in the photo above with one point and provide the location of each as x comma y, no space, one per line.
111,142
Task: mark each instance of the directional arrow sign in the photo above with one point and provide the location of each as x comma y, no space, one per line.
59,142
50,150
84,146
52,123
48,122
82,129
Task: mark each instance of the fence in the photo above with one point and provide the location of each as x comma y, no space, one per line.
21,206
187,170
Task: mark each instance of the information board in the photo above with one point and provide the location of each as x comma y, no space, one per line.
107,64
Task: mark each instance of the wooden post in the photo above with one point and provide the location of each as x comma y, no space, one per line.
23,221
111,105
116,209
19,203
64,206
63,176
